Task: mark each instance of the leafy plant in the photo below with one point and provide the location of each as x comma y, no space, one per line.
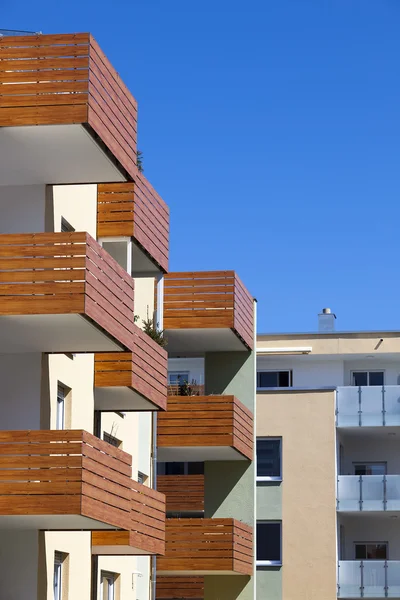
154,332
139,161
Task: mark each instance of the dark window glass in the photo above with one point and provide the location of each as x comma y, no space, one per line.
274,379
110,439
376,378
360,379
370,469
195,468
269,458
269,542
174,468
371,551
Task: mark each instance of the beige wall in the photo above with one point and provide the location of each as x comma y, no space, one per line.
77,571
144,298
306,422
77,204
340,343
124,428
76,373
127,569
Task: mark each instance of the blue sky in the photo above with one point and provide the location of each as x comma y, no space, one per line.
272,130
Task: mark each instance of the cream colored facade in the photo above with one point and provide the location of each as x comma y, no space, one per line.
331,430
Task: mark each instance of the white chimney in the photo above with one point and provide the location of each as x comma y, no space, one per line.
326,321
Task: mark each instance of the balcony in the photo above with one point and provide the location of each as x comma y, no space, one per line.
202,428
368,493
132,381
60,93
135,210
61,292
369,406
207,546
206,312
146,532
185,588
183,493
369,579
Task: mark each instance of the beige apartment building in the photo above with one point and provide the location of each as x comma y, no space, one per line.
86,411
328,470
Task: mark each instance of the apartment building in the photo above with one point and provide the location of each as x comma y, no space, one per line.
84,243
328,471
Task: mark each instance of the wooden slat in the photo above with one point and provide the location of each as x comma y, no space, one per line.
182,588
193,421
183,493
66,273
207,545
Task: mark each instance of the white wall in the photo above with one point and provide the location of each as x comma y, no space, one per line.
126,568
142,579
195,366
20,399
77,544
78,205
145,443
144,298
371,529
391,369
19,552
22,208
307,372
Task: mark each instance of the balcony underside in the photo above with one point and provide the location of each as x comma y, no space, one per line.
111,399
53,333
67,154
51,522
123,543
203,340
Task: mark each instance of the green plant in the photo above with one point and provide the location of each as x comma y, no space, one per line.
152,330
139,161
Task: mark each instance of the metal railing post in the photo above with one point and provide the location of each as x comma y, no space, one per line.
361,493
384,493
362,579
359,407
386,579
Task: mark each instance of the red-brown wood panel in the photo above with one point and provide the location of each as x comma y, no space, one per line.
183,493
64,273
181,588
62,79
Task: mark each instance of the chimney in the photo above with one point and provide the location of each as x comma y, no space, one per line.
326,321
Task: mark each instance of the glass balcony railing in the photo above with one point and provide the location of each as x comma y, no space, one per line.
368,579
368,493
369,406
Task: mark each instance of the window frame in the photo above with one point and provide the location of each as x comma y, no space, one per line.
372,544
368,371
58,574
61,402
270,477
270,563
109,576
290,371
112,440
178,374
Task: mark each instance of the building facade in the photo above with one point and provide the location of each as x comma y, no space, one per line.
328,476
86,412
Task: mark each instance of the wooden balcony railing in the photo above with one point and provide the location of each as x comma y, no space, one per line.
135,210
146,534
185,389
73,473
211,545
65,274
192,421
144,370
181,588
209,300
183,493
66,79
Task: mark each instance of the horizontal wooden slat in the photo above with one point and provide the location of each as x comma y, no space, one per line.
66,273
198,421
210,544
182,588
183,493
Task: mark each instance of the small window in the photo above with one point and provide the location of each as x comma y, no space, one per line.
269,543
370,468
178,377
60,415
274,379
181,468
175,468
65,226
141,477
364,378
108,585
269,463
371,551
111,439
59,562
195,468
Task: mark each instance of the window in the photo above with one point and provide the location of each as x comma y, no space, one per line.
141,477
108,585
180,468
178,377
360,378
272,379
371,550
269,463
110,439
269,543
65,226
370,468
59,562
60,416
